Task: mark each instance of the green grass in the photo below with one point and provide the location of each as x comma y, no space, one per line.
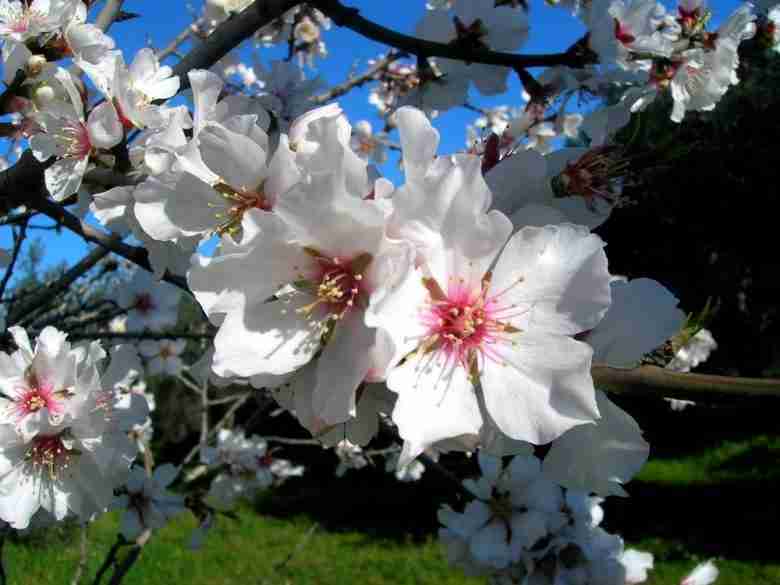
751,459
712,501
247,550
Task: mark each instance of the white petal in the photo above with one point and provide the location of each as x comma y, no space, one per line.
556,277
539,386
598,457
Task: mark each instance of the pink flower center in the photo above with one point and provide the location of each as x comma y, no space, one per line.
144,303
239,201
337,286
49,453
75,140
467,323
623,33
33,399
595,175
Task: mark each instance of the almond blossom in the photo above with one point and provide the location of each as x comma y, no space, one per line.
64,448
73,138
481,314
151,304
147,503
319,252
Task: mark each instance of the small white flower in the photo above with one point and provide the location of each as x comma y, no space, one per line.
147,503
163,356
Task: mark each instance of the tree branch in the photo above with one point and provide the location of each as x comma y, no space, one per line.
48,292
231,33
371,73
18,241
135,254
660,382
137,335
350,18
109,14
180,38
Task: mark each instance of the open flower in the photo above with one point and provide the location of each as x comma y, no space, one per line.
71,138
483,314
147,503
318,252
63,445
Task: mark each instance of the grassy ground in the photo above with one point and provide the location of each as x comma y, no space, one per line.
698,498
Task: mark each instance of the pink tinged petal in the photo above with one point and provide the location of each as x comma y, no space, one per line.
555,278
598,457
342,367
436,401
703,574
268,338
539,386
104,126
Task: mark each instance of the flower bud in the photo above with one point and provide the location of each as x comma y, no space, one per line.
35,65
44,95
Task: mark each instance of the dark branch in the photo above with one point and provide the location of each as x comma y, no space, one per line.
42,297
231,33
18,241
659,382
351,19
135,254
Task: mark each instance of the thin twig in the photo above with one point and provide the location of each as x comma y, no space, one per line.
38,299
121,570
83,550
170,49
135,254
222,422
298,547
292,441
343,88
17,218
136,335
110,559
18,241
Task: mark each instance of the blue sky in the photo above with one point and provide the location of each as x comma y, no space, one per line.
552,30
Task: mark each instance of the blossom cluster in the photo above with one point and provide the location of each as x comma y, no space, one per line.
464,307
64,425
